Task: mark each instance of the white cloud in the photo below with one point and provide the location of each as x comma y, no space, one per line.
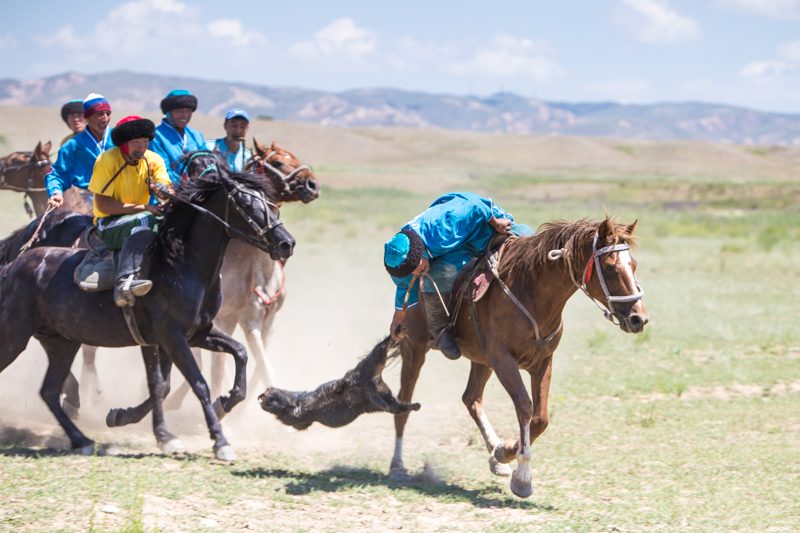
770,8
757,70
340,40
140,29
508,56
790,51
619,90
233,31
655,22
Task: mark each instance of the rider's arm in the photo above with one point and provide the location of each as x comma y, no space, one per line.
112,206
57,181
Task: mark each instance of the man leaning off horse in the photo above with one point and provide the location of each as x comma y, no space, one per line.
174,137
122,181
436,245
76,158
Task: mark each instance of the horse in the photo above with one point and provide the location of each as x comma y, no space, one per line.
517,325
39,299
254,284
24,172
339,402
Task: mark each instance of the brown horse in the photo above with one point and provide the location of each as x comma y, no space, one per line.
541,273
24,172
254,284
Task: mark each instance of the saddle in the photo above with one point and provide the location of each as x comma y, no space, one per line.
96,272
476,277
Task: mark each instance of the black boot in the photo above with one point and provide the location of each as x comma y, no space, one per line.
439,326
128,263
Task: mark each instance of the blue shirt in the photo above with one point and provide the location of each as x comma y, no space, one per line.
171,146
75,162
235,160
454,222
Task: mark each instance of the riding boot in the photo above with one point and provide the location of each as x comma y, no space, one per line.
128,268
439,326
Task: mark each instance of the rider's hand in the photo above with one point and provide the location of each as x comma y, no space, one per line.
500,225
55,201
422,267
397,324
155,209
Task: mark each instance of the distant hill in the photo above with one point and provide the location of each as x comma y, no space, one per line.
499,113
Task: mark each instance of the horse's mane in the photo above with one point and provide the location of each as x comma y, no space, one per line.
526,255
196,189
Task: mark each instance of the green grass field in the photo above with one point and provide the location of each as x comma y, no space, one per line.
693,425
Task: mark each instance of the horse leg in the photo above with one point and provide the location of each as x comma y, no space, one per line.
132,415
540,391
176,400
89,376
413,354
226,324
178,349
60,354
264,375
218,341
505,366
473,399
72,399
167,442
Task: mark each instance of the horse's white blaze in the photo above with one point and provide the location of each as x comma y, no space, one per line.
626,261
489,436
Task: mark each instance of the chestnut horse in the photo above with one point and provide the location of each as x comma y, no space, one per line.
541,273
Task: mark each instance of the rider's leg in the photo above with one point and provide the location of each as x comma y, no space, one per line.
443,273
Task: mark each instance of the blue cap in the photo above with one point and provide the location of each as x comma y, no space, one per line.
396,250
237,113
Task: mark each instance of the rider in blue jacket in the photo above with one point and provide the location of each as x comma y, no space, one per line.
440,241
77,156
174,137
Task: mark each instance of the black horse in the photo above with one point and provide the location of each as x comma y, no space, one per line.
39,299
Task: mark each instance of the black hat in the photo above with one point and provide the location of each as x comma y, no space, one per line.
73,106
132,127
178,99
402,253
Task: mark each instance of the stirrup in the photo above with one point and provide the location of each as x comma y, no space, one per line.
446,343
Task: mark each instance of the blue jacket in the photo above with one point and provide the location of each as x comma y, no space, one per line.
235,160
75,162
455,223
171,146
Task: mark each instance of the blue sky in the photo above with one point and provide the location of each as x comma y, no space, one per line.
741,52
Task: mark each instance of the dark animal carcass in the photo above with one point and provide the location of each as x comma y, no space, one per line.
339,402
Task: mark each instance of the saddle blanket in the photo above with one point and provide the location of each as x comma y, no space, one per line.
96,272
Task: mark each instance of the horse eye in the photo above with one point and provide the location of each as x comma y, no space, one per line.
609,268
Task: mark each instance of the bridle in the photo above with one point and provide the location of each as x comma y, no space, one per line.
594,265
290,181
259,235
33,165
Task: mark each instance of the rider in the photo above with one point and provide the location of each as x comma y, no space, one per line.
122,180
76,158
439,242
232,147
72,115
174,137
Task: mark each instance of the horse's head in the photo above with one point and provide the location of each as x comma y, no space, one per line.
295,181
246,205
610,276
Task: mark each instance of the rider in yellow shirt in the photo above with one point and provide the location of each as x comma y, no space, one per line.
122,181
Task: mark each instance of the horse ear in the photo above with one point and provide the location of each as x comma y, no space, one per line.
274,147
260,149
46,148
38,149
632,227
605,229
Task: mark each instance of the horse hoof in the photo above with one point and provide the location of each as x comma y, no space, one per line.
172,446
499,469
218,409
225,453
399,473
111,418
521,483
88,449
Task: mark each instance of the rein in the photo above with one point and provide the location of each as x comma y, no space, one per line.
287,179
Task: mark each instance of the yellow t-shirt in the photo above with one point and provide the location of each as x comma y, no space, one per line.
130,186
